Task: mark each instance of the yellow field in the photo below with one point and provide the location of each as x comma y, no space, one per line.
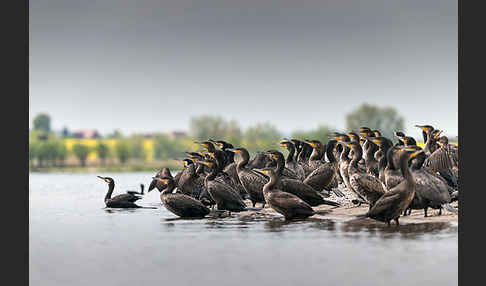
148,145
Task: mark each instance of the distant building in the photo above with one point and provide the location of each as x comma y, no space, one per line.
86,134
170,134
176,134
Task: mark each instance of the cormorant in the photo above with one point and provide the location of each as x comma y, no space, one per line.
322,177
366,186
430,189
226,198
142,187
296,187
120,201
190,183
384,144
316,158
252,182
290,162
287,204
180,204
392,203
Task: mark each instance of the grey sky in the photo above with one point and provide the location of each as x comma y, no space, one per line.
150,65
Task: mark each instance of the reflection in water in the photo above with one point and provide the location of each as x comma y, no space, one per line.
280,224
408,231
116,210
72,235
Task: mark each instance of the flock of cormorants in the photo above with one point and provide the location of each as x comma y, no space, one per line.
391,178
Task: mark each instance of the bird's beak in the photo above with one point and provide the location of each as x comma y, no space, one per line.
415,153
103,178
260,171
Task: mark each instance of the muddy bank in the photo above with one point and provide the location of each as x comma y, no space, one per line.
348,213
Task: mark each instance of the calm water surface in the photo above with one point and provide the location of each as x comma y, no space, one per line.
74,240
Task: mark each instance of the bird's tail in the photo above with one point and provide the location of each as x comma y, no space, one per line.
331,203
253,209
449,208
338,192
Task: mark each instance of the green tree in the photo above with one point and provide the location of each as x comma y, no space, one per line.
42,122
215,127
116,134
43,151
137,149
32,152
320,133
122,150
385,119
102,151
165,148
61,153
81,151
262,136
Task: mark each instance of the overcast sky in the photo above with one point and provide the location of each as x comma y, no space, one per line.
149,65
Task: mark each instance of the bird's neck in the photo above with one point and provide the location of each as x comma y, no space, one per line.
273,180
405,170
290,156
212,174
357,156
418,161
280,166
316,154
169,189
245,157
344,154
111,187
330,153
382,163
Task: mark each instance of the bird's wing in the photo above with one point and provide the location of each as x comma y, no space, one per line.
370,182
383,203
439,160
126,197
288,200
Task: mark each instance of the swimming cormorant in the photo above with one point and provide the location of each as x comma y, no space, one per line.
142,187
120,201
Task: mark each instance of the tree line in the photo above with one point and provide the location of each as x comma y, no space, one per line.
46,149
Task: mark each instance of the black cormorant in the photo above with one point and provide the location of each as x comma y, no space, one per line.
392,203
180,204
252,182
368,187
120,201
287,204
224,195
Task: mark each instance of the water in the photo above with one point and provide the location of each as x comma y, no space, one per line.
74,240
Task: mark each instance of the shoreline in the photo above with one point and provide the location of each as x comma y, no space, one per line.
110,168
